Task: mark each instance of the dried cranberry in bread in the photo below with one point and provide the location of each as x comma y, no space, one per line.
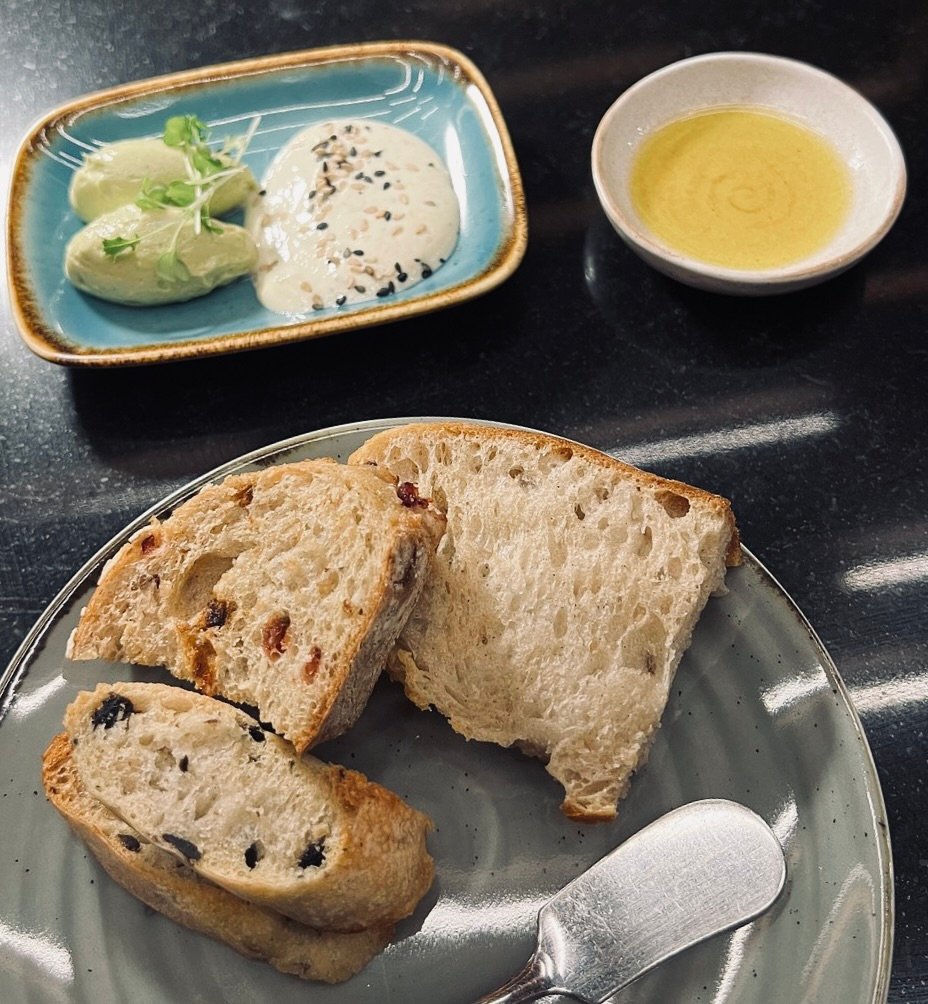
283,588
202,780
562,596
171,887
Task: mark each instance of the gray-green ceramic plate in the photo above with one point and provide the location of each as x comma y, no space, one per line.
758,714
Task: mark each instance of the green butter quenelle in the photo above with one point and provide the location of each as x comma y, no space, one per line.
146,257
115,174
151,236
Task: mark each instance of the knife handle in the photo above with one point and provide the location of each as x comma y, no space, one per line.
528,985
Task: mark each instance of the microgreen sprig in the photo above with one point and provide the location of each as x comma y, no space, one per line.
205,172
114,246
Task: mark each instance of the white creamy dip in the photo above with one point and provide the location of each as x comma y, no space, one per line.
350,211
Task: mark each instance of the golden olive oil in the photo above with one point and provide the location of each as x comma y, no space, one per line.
740,187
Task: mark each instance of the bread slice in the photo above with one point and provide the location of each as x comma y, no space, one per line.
283,589
171,887
562,597
203,781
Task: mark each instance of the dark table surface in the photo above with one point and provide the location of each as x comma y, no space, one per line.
815,402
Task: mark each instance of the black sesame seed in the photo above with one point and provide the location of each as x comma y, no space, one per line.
251,855
359,176
314,855
184,763
360,289
263,192
401,276
353,152
115,708
379,174
377,153
386,185
340,300
325,167
312,194
187,847
426,271
129,842
322,226
388,215
358,252
387,290
256,733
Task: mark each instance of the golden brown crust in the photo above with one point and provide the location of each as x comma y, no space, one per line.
171,888
547,442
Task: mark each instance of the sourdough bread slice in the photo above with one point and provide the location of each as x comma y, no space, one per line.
203,781
562,597
171,887
283,589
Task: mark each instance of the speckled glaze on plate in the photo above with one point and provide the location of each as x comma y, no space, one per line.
431,90
758,714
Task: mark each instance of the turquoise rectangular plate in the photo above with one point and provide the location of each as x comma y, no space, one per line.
431,90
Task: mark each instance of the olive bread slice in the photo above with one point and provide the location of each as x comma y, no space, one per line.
174,889
283,589
205,782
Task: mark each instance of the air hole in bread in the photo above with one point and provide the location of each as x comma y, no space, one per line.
578,511
165,759
560,622
194,591
328,581
645,543
673,504
674,567
555,458
440,499
204,802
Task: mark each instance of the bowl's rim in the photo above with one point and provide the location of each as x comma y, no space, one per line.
786,275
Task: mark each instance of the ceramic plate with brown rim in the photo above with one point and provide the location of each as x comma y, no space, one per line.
430,90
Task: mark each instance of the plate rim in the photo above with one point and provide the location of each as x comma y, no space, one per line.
42,341
882,840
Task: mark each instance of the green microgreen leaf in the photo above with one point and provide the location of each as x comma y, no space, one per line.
204,162
185,130
171,268
114,246
180,193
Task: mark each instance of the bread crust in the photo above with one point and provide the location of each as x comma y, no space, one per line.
167,885
176,764
283,589
536,629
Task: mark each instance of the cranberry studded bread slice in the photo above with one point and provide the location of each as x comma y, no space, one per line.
562,598
171,887
284,589
201,780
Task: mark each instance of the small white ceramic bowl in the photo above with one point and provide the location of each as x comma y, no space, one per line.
801,92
